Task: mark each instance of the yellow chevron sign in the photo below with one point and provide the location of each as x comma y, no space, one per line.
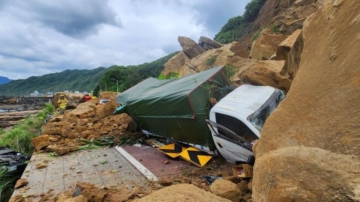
195,156
173,150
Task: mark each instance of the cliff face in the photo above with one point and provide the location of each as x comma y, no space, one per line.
309,149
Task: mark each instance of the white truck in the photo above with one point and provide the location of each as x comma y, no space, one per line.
237,120
178,110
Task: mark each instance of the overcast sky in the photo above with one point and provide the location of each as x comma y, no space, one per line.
38,37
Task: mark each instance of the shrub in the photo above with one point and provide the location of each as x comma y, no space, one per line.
211,61
230,71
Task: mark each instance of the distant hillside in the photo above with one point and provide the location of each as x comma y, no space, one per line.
86,80
120,78
4,80
81,80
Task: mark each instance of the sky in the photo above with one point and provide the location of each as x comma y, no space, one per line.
39,37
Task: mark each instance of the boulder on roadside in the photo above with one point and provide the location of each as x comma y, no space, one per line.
20,183
40,142
79,198
73,99
226,189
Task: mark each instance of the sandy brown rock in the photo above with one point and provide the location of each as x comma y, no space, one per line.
226,189
181,192
41,165
239,49
190,48
223,56
20,183
266,73
79,198
208,44
310,145
175,63
40,142
265,46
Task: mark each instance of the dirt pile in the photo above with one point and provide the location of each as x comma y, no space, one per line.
310,144
178,192
88,121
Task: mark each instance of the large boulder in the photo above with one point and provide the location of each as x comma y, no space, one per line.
266,44
106,109
226,189
309,147
239,49
223,56
290,50
40,142
175,63
208,44
266,73
190,47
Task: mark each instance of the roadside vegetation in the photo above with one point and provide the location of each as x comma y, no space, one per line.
19,139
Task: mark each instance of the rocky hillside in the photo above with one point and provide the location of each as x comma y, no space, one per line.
309,146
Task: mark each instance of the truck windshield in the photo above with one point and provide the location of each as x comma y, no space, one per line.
258,118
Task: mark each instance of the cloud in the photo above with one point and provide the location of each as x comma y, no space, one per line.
77,19
39,36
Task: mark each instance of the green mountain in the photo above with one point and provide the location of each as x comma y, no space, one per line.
80,80
112,79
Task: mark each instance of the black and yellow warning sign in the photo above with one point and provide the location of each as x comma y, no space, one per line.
173,150
195,156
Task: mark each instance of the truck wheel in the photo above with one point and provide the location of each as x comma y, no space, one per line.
251,160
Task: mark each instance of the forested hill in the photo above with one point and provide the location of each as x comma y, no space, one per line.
67,80
86,80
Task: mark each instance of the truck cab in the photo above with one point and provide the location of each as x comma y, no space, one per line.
237,119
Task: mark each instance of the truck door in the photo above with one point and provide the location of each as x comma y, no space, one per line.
233,147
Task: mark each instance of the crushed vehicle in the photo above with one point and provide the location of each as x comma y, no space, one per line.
180,110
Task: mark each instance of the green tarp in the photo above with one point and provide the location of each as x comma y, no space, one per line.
175,108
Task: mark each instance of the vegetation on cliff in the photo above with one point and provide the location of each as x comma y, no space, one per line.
120,78
236,26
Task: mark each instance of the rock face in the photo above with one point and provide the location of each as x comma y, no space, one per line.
309,148
190,47
239,50
208,44
265,46
233,54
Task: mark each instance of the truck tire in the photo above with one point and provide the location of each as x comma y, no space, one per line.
251,160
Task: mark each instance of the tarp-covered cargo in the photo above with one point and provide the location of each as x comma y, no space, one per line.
175,108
